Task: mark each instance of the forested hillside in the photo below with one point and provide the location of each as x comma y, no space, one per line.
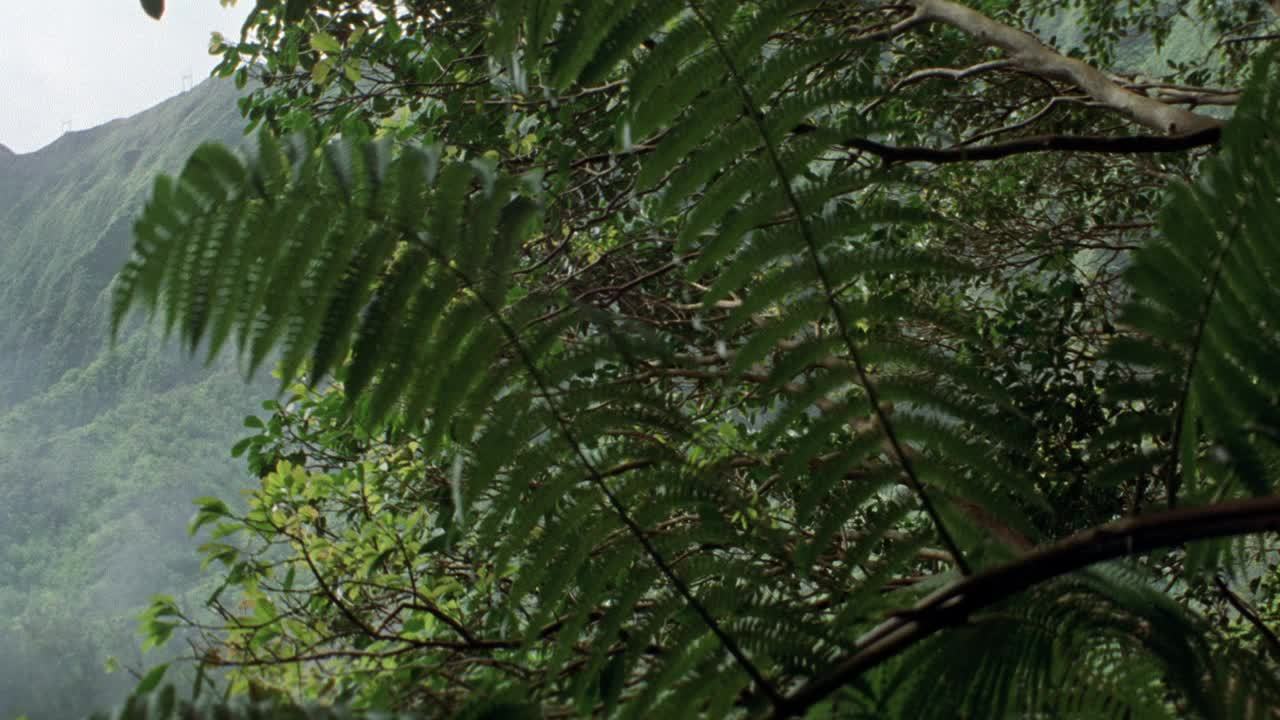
102,446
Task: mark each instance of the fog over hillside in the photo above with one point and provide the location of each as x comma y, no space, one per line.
102,445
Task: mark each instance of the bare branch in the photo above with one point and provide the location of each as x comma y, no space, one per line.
1033,56
1250,614
1123,145
915,19
1048,107
939,72
1251,38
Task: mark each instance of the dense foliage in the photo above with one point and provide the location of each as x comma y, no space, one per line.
724,359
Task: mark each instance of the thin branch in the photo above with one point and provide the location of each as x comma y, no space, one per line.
1032,119
1122,145
938,72
951,73
916,19
1249,614
1251,38
1186,97
1102,144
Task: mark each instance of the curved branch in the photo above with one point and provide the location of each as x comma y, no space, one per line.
915,19
1124,145
957,601
938,72
1048,108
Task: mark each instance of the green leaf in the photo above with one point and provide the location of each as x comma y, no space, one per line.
295,10
151,680
211,509
154,8
321,71
326,43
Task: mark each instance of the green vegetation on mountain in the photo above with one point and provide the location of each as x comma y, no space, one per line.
102,446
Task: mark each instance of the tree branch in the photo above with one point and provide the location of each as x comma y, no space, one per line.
1037,58
939,72
915,19
1124,145
957,601
1249,614
1251,38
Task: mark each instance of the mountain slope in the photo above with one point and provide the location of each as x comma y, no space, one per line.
102,447
66,217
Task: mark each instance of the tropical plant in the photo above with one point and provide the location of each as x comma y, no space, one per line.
651,368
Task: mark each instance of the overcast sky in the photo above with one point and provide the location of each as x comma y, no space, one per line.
90,61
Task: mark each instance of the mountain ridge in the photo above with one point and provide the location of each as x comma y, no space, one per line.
102,444
198,92
98,179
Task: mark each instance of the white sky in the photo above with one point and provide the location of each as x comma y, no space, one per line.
90,61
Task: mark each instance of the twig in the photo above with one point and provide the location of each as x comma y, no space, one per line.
1249,614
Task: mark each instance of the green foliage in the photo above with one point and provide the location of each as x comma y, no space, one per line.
785,479
166,704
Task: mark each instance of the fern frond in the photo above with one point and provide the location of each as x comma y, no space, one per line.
1204,299
349,224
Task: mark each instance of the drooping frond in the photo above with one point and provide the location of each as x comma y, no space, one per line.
317,251
1204,304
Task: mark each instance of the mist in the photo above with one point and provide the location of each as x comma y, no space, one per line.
81,63
103,445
